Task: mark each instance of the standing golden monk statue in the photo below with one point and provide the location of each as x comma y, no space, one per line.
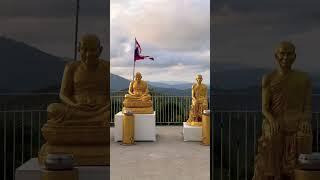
138,100
286,128
199,102
79,125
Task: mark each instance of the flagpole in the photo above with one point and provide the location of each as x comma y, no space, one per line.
134,60
76,31
134,66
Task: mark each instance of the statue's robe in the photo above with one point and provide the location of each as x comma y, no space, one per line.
199,104
289,101
90,89
140,96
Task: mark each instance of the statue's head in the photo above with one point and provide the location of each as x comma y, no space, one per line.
285,55
138,76
90,49
199,78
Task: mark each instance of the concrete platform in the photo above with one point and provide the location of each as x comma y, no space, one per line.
192,133
31,170
144,127
169,158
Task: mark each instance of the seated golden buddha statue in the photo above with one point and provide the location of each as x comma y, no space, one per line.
199,102
286,127
79,125
138,100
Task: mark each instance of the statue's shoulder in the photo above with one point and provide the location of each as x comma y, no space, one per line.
145,83
203,86
70,66
267,78
105,63
194,85
302,75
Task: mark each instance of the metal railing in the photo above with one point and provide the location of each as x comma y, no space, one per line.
237,133
20,139
170,110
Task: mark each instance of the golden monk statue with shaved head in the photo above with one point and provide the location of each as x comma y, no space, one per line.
79,125
138,100
199,102
84,88
286,128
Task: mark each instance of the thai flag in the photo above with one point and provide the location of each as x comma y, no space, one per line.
137,52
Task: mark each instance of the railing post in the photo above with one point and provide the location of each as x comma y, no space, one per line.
39,128
229,146
5,146
22,135
221,147
14,144
31,133
238,159
246,146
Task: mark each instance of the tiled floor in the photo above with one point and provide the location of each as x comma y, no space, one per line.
170,158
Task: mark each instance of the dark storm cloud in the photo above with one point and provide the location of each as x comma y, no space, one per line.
51,8
286,13
50,24
249,30
266,5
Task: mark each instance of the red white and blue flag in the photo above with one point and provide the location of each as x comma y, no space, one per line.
137,53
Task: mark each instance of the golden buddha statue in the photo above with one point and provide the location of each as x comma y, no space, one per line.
199,102
138,100
286,128
79,125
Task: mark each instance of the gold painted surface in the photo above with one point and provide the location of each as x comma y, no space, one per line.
199,102
138,100
205,129
84,155
147,110
306,175
80,123
128,129
286,128
60,175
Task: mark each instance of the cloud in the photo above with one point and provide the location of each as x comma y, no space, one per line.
51,8
250,30
170,73
175,33
175,25
51,34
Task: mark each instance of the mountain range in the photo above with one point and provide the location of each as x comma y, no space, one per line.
24,68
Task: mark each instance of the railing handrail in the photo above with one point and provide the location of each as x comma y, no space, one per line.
115,92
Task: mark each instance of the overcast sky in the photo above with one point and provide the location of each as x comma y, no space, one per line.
49,24
175,32
248,31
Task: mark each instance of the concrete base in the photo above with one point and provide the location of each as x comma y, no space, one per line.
144,127
192,133
31,170
306,175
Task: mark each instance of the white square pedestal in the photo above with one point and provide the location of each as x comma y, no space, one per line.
144,127
192,133
31,170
